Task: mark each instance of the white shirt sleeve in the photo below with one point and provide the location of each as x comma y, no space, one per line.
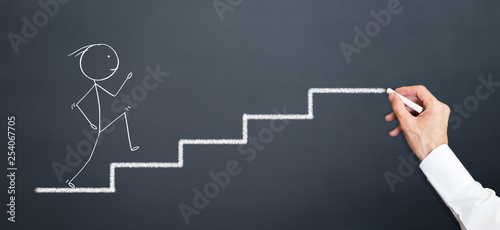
474,207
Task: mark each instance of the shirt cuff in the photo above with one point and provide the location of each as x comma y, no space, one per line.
445,172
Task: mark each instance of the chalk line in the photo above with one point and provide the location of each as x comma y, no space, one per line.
182,142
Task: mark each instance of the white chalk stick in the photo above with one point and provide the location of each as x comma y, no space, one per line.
407,101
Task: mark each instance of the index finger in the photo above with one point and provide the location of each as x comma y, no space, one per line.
418,91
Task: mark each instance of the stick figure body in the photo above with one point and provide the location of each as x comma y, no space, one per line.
101,55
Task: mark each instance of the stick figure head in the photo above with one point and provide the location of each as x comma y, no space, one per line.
98,62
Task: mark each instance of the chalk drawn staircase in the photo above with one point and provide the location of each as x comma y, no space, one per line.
182,142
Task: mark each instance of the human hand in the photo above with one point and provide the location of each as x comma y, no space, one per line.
129,75
426,131
93,126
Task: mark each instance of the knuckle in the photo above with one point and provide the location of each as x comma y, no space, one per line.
431,104
446,108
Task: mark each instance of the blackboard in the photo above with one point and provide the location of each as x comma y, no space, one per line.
199,66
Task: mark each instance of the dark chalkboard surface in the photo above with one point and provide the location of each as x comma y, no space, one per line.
198,66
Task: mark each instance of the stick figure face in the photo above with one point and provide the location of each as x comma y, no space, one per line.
98,62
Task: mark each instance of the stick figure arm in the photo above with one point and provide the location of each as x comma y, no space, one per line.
83,113
114,95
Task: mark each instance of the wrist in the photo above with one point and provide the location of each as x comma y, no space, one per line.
429,147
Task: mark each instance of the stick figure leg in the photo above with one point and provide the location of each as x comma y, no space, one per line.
70,182
124,115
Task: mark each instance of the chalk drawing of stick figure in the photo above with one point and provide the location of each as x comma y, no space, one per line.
101,62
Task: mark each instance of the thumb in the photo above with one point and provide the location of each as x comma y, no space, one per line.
399,107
